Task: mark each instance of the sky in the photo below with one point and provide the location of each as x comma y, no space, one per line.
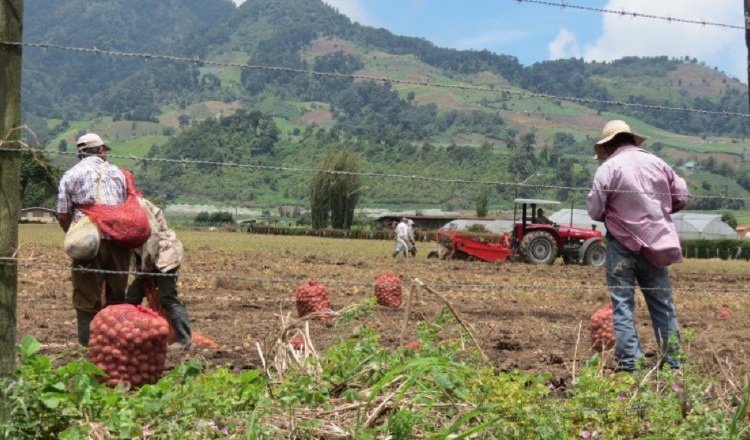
536,32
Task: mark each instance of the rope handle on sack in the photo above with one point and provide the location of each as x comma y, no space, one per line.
98,197
103,294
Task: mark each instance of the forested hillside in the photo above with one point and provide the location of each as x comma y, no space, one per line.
488,130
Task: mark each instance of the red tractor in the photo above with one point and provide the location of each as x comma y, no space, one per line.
536,240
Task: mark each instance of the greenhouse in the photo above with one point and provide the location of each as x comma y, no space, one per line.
696,225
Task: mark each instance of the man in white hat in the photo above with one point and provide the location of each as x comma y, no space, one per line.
402,238
634,192
93,180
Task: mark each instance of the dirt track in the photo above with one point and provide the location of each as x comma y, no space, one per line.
525,317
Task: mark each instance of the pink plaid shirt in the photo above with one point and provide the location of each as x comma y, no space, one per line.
635,193
78,185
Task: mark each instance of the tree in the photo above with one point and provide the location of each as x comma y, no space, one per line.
38,181
729,218
184,121
334,193
62,147
483,201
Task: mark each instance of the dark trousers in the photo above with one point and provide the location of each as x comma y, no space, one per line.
166,287
87,286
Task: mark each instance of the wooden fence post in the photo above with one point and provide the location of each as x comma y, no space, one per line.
11,14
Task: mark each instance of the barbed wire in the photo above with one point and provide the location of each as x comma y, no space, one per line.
623,13
532,289
426,83
385,175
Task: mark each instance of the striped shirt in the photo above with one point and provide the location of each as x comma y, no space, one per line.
79,184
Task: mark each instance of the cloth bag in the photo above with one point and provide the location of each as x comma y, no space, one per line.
82,240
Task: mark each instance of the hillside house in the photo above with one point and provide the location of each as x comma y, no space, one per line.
289,211
38,215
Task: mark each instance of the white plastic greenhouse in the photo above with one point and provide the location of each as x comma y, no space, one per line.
696,225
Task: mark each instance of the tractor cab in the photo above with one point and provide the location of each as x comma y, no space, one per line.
537,240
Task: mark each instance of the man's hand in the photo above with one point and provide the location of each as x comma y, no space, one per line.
64,220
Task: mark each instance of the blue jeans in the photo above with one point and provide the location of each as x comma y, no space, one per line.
624,268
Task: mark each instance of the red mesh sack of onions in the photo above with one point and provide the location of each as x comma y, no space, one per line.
311,297
388,290
601,329
129,343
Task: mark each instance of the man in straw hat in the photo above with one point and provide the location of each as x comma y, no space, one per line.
93,180
634,193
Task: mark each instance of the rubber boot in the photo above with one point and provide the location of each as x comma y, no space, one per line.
84,326
178,318
395,253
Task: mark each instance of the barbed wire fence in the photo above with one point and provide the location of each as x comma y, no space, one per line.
196,60
631,14
31,264
430,179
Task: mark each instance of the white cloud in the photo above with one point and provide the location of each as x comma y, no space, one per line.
638,36
489,39
565,45
354,10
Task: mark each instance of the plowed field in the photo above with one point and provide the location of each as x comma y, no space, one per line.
532,318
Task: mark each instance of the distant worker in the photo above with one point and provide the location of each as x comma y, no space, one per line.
402,238
633,193
162,255
412,238
93,181
541,218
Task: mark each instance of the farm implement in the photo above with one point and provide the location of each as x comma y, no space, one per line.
532,240
453,244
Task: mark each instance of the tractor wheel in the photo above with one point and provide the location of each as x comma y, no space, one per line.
595,255
539,247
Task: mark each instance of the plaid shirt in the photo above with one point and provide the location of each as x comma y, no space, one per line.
78,185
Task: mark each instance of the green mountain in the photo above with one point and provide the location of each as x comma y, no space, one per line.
488,122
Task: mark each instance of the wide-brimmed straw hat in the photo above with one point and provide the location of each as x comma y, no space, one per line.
615,127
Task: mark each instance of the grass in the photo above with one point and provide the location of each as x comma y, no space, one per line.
255,245
251,245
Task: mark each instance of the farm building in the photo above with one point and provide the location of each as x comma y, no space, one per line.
423,222
38,215
494,226
427,222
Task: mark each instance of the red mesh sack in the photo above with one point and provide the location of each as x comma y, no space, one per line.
388,290
152,296
129,343
602,329
312,296
127,223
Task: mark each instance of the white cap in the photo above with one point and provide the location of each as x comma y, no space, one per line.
90,140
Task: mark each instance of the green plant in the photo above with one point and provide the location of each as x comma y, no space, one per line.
440,389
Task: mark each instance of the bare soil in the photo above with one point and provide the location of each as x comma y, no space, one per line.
315,116
531,318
